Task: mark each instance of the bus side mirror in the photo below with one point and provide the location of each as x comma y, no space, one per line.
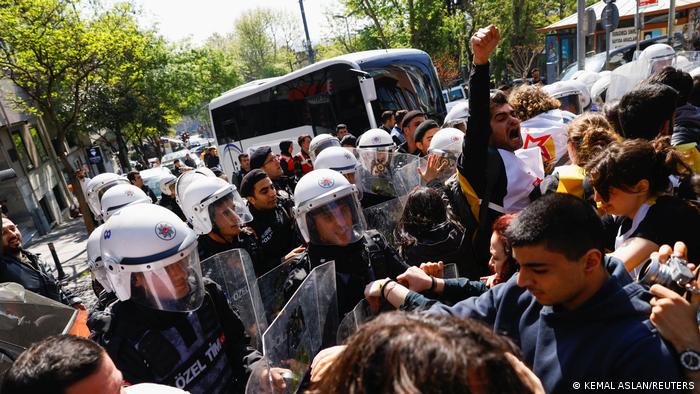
369,92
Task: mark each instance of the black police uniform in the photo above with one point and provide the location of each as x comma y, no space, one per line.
34,275
207,247
204,351
170,203
276,234
356,265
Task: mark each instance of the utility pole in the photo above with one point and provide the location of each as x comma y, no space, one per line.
309,48
580,35
671,21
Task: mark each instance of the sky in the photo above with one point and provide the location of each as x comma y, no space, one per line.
179,19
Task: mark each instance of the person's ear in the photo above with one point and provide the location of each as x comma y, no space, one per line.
641,187
592,260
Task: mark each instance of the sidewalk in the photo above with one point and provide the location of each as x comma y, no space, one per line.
69,240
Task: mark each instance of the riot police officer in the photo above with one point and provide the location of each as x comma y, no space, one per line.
120,196
98,186
217,215
167,195
170,326
329,217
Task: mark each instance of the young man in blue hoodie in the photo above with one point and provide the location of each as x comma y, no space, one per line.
574,312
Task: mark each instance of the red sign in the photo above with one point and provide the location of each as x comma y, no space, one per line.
644,3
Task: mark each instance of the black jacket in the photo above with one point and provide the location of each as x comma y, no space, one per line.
170,203
207,247
35,276
211,161
356,265
150,193
182,349
276,235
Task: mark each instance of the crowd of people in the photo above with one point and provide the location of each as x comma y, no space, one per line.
574,257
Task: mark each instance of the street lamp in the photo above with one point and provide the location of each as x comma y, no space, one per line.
347,28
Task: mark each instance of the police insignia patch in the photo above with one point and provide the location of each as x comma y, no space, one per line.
165,231
326,183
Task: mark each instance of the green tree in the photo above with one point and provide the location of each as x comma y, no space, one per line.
54,55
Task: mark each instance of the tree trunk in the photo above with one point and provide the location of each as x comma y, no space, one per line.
123,152
82,203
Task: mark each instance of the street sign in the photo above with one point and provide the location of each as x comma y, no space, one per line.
644,3
610,17
94,154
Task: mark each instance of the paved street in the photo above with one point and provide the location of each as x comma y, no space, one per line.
69,240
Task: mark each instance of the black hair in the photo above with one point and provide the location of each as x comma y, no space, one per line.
677,79
644,110
399,116
561,223
284,146
132,175
386,115
695,92
424,211
53,365
340,126
242,155
250,180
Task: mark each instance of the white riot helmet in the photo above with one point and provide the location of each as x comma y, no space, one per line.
343,161
204,197
573,95
151,259
98,186
376,139
657,56
327,209
459,113
185,180
447,141
121,196
321,142
165,182
94,259
586,77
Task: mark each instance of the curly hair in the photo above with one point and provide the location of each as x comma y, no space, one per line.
530,101
412,353
589,134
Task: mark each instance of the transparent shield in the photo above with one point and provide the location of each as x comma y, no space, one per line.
26,317
306,324
625,78
233,271
379,171
272,289
384,218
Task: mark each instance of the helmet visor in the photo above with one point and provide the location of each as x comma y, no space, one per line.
229,210
174,287
323,145
95,196
337,222
98,269
570,103
376,161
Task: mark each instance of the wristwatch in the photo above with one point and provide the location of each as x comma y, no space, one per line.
690,360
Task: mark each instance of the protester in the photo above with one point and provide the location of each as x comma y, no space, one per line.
529,101
212,159
631,180
286,158
426,233
647,111
135,179
612,114
66,364
349,141
244,161
167,316
411,353
568,300
686,120
272,223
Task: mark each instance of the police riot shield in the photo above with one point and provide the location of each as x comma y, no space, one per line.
276,287
385,217
625,78
27,317
306,324
363,312
233,271
379,171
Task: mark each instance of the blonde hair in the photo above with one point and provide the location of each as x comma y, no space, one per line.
529,101
589,134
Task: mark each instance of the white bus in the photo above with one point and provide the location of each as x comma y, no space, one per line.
353,89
